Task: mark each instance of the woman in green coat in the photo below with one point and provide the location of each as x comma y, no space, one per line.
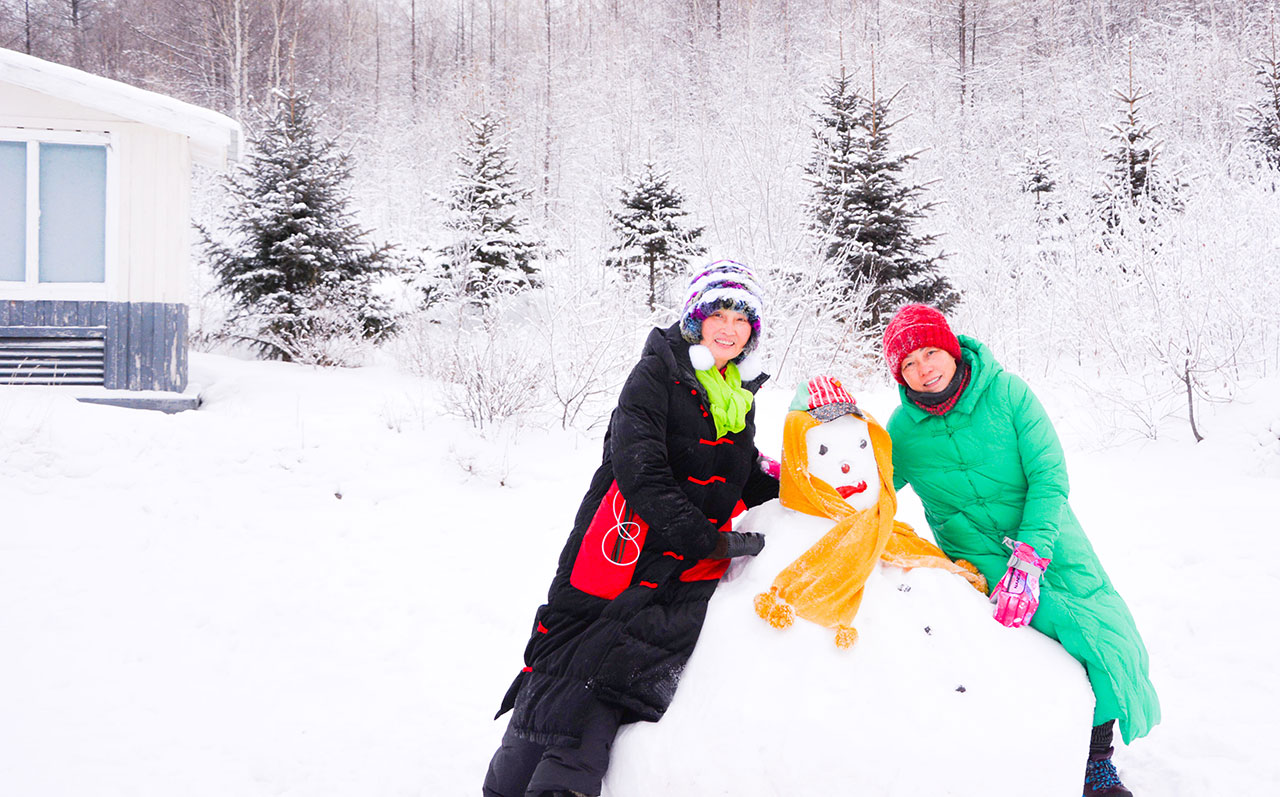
982,455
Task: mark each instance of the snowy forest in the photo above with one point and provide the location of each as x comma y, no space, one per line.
1089,186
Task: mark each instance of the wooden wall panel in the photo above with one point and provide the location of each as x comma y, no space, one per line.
145,342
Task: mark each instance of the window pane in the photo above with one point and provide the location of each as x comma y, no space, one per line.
73,213
13,210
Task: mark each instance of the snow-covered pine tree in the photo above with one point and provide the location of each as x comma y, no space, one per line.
653,241
1262,119
1038,179
492,252
299,269
1039,176
1133,185
863,215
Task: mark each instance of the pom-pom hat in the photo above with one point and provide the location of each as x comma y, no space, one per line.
722,285
916,326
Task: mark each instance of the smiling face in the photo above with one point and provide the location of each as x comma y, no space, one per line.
841,454
725,333
928,370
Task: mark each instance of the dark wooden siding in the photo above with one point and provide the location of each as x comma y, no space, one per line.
146,342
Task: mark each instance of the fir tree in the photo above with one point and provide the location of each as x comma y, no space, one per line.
1262,119
491,252
1133,182
299,269
862,214
1038,177
653,242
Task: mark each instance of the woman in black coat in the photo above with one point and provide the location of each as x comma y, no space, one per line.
648,547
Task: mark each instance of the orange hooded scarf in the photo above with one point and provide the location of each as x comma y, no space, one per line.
825,584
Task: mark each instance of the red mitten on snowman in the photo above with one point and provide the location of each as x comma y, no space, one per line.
1017,596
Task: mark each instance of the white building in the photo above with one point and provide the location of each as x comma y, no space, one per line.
95,228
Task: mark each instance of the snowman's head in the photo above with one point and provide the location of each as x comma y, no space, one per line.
842,455
835,456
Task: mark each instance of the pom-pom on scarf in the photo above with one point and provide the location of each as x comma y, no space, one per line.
825,584
727,400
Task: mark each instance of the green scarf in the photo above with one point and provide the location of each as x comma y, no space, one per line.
729,403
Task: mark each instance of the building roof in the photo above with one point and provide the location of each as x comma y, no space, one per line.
214,137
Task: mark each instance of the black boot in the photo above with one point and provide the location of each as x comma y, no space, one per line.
1100,776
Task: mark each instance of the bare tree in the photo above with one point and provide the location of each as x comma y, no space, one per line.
413,52
546,157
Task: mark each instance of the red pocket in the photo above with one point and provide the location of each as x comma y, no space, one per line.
610,548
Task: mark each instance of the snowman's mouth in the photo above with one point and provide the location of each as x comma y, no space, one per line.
847,490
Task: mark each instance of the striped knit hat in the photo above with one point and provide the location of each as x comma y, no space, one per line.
722,285
825,399
916,326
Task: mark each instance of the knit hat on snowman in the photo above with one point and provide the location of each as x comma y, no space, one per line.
723,285
825,584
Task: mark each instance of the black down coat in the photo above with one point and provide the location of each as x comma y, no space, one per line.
662,449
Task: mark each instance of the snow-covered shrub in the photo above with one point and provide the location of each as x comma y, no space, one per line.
490,378
489,368
1130,406
325,330
586,338
587,345
415,345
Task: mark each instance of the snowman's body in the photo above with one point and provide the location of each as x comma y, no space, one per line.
935,698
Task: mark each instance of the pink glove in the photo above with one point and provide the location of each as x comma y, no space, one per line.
770,466
1017,596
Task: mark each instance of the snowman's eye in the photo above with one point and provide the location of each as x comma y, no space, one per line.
822,450
863,444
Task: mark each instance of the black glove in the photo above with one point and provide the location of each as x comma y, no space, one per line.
738,543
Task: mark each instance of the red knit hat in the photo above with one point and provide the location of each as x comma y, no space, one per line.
916,326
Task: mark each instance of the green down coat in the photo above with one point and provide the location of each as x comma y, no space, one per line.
992,468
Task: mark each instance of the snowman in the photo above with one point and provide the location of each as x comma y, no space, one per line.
837,464
925,695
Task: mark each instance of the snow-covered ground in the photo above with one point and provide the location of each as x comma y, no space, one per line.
317,585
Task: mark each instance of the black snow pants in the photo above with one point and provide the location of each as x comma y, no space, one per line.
522,768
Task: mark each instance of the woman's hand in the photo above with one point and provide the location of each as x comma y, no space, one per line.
1017,596
738,543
